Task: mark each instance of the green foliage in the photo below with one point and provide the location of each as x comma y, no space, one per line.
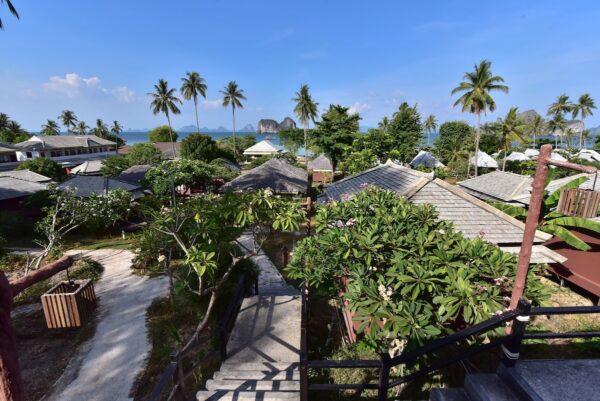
356,162
335,132
45,167
521,167
292,139
407,131
161,134
114,166
199,147
7,136
455,137
85,269
404,268
379,142
597,142
144,153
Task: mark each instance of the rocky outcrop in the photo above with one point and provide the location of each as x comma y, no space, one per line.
527,116
247,128
268,126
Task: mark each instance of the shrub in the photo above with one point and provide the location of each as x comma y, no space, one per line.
114,166
404,268
161,134
199,147
144,153
85,269
46,167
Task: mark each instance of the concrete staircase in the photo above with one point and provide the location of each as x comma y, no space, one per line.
534,380
263,349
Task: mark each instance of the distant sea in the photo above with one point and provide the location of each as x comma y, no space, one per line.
138,137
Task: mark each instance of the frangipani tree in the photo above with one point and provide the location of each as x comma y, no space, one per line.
555,223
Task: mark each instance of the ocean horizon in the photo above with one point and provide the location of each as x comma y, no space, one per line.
131,138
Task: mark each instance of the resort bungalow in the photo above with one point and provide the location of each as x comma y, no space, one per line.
275,174
15,186
517,157
484,160
166,148
426,159
322,169
68,150
91,167
85,186
134,174
499,186
262,148
8,156
473,217
588,155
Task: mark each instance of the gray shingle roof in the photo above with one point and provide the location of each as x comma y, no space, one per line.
85,185
91,167
166,149
134,174
320,163
470,215
6,148
390,176
63,141
589,182
25,175
498,186
11,188
278,175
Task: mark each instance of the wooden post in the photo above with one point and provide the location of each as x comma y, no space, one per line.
384,377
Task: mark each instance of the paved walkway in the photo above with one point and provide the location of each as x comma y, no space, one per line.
264,346
108,364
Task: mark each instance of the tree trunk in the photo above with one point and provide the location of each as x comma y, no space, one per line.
504,160
171,136
11,385
306,143
233,118
477,135
196,108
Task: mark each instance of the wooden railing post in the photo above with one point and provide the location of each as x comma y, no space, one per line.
384,377
222,341
512,348
303,346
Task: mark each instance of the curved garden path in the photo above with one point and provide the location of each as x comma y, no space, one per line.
107,365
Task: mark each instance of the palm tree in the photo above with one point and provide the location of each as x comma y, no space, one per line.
100,130
12,10
165,101
584,106
384,124
555,125
51,128
430,126
68,119
307,110
510,129
81,128
233,96
561,106
193,85
116,129
4,120
476,97
536,126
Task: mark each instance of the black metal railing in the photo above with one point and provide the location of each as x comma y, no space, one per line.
510,345
184,364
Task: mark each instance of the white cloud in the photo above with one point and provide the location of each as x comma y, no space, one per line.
71,84
358,107
212,104
123,94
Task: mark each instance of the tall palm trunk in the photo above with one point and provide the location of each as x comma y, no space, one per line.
306,143
171,136
196,108
477,135
504,160
233,118
116,144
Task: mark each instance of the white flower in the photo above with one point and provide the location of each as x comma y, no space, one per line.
384,292
162,258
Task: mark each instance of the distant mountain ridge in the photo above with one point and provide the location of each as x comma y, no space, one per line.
192,128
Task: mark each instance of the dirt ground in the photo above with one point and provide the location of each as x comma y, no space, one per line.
43,353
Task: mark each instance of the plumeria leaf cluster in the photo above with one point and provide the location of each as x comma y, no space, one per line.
404,273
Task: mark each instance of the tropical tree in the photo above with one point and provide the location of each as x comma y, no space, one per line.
510,129
69,119
116,128
384,124
561,106
476,95
81,128
557,126
165,101
307,110
584,106
12,10
536,126
335,132
101,129
4,119
407,131
430,126
555,223
192,86
50,128
233,95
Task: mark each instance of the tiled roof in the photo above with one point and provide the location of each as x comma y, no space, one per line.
424,158
85,185
63,141
390,176
262,148
167,149
498,186
589,182
11,187
134,174
278,175
484,160
320,163
26,175
6,148
91,167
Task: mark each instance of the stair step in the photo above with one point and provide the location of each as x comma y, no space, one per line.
488,387
290,374
247,396
517,383
252,385
259,366
448,394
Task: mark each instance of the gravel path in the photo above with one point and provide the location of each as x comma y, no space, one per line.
108,364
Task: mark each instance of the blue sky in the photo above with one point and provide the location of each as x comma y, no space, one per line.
100,58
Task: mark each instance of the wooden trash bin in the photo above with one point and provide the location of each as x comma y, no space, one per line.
69,304
579,202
